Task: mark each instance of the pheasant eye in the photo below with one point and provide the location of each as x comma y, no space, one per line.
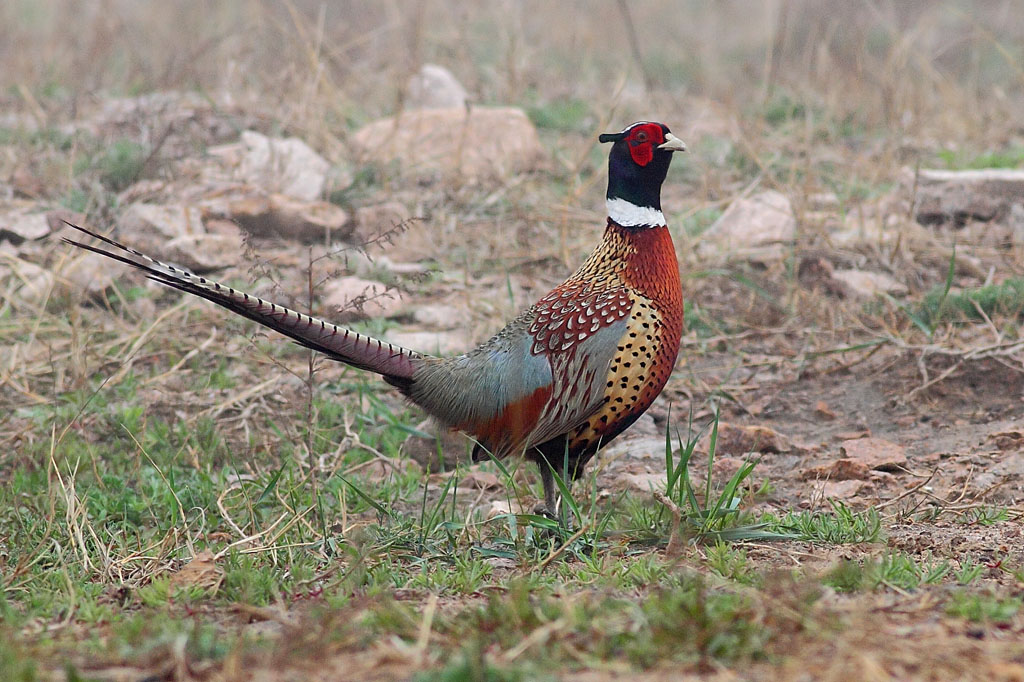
641,136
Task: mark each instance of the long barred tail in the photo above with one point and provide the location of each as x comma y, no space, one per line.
394,363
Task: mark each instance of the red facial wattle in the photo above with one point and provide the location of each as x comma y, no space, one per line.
642,140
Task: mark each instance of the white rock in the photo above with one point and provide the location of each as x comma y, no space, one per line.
647,448
88,273
957,196
435,87
287,166
22,221
356,298
36,282
482,144
151,226
864,284
752,223
440,316
432,343
205,252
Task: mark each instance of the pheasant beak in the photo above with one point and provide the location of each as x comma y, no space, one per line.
672,144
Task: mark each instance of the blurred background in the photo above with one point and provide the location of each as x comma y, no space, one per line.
907,65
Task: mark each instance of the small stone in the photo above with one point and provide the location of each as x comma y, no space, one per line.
839,490
435,87
286,166
36,282
865,285
876,453
821,409
149,227
756,227
845,469
506,507
642,482
479,480
737,439
201,253
355,298
87,272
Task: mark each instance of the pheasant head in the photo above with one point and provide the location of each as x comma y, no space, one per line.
637,165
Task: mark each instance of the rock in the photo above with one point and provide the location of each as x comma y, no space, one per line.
281,216
823,411
36,282
440,316
845,469
726,467
434,343
838,490
506,507
435,87
22,220
24,227
87,273
737,440
149,227
285,166
201,253
865,285
958,196
756,227
355,298
479,145
876,453
649,448
641,482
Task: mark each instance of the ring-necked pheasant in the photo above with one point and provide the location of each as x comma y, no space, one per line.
568,374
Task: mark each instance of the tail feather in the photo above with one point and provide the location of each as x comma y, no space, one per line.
396,364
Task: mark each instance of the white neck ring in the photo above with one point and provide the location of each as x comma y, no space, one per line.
630,215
